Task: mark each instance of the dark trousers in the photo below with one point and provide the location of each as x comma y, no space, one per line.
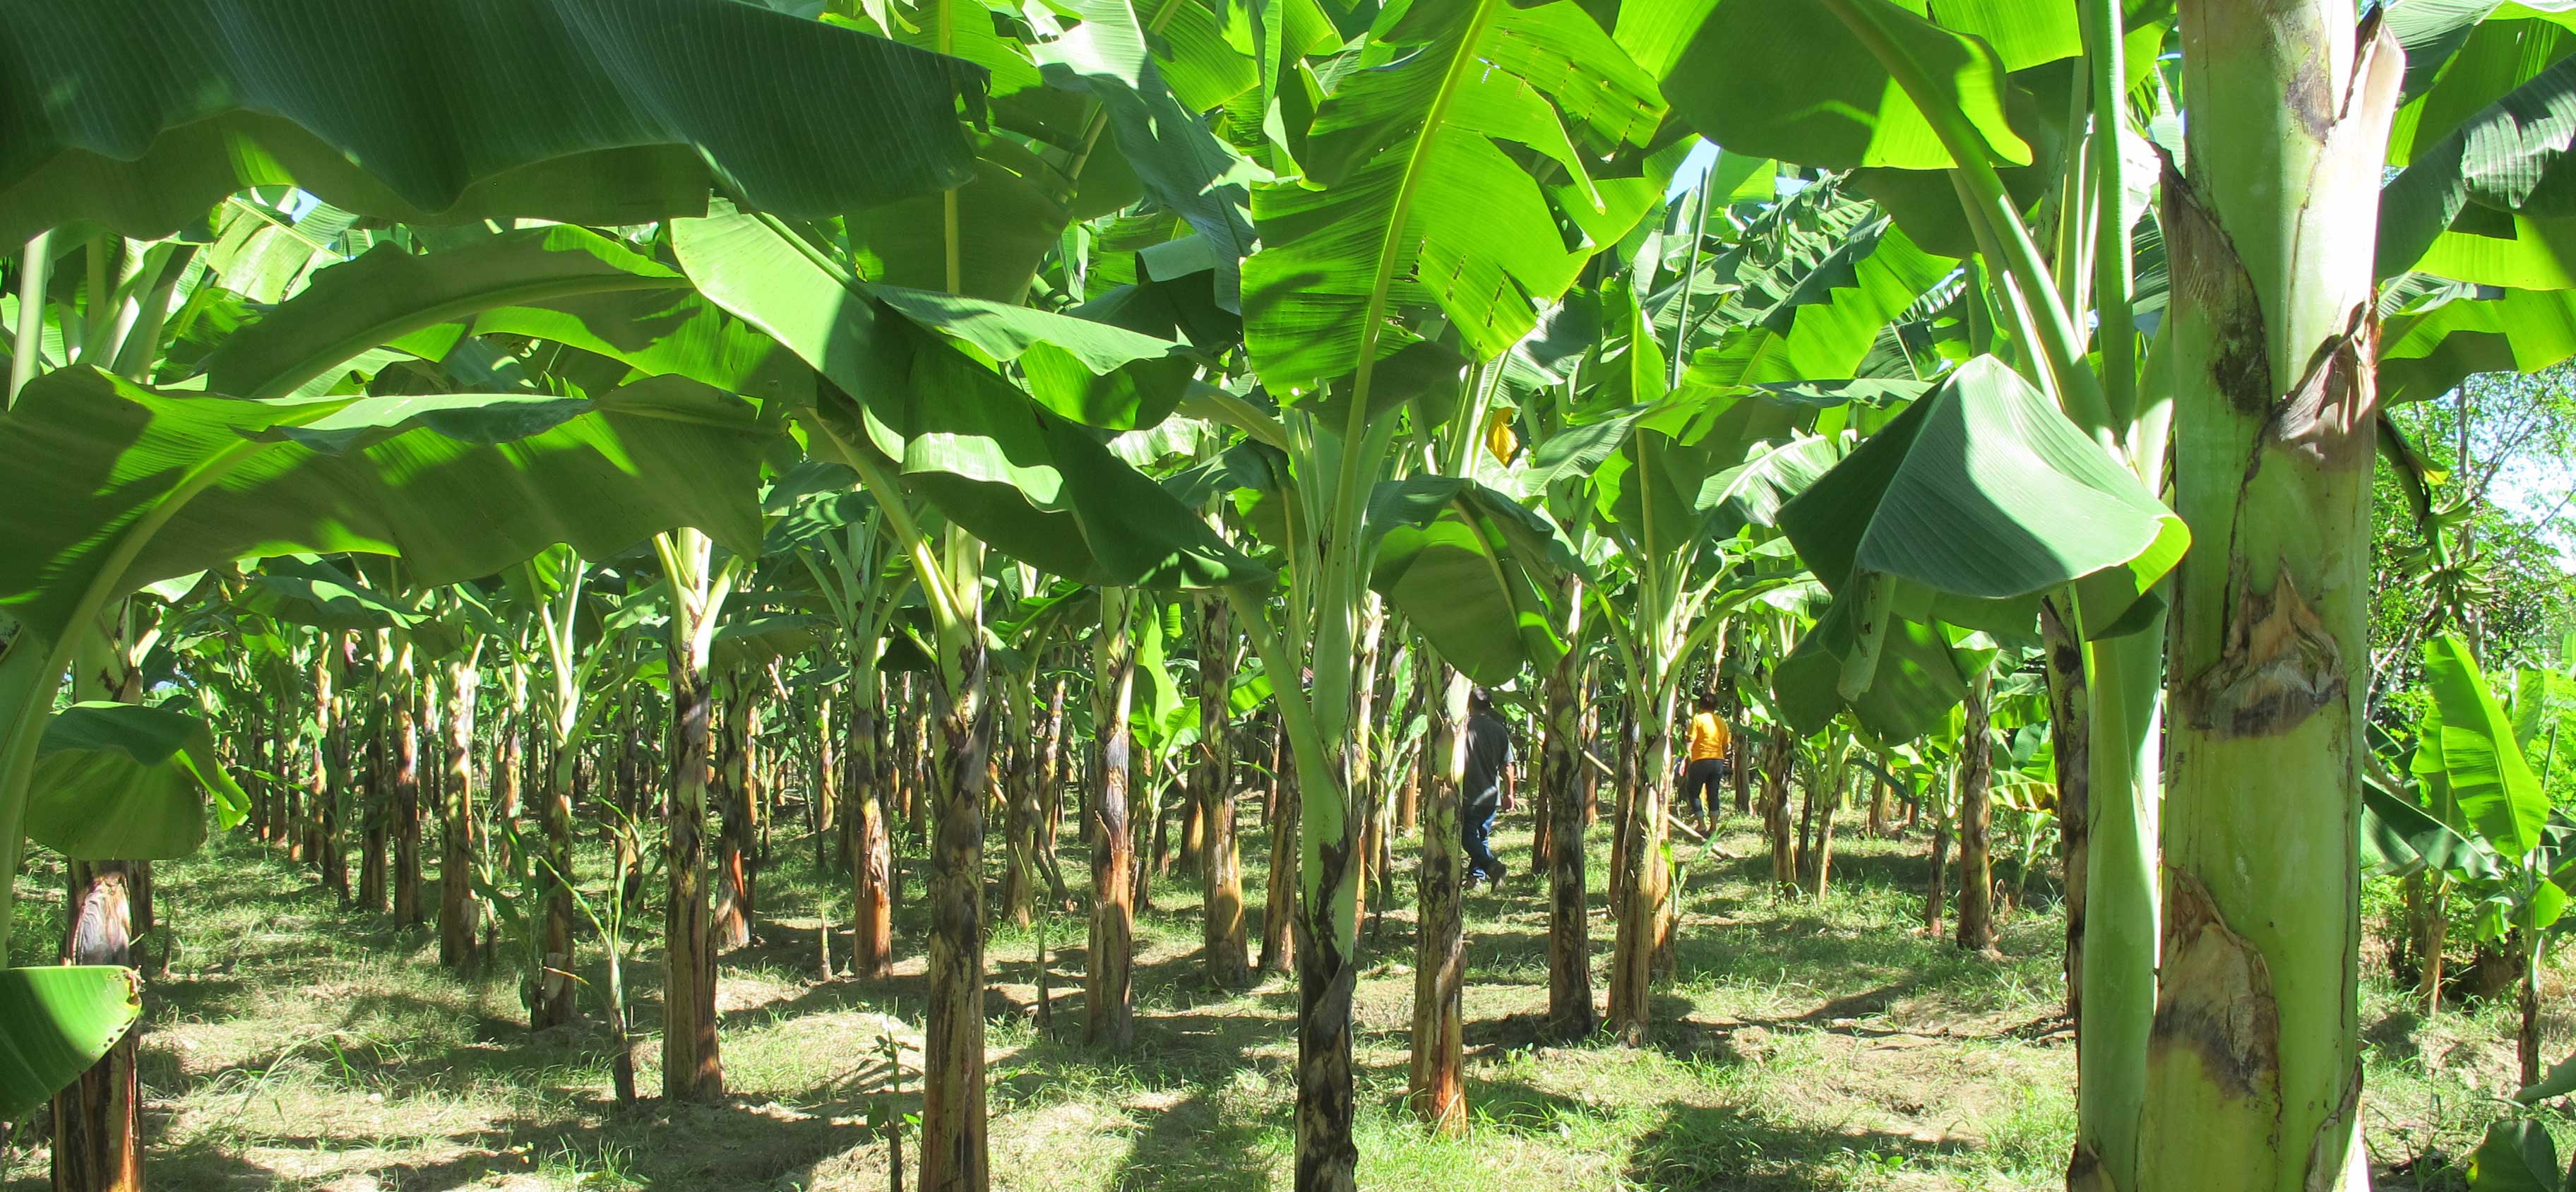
1703,775
1476,826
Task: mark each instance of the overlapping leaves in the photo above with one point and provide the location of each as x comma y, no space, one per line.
1411,205
141,114
1964,510
1473,570
120,485
128,781
999,460
1795,80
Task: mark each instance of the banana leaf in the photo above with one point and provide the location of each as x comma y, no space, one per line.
61,1019
126,781
142,114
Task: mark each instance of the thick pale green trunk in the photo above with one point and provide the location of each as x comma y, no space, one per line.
2253,1064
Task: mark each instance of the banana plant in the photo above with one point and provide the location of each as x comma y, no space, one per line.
840,538
1401,243
2518,1154
588,656
1030,617
987,413
635,131
319,476
2473,776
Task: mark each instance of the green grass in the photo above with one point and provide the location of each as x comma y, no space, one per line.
1799,1046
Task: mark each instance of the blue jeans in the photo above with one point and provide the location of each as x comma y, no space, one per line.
1476,825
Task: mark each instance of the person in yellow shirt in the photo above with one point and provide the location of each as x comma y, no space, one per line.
1707,766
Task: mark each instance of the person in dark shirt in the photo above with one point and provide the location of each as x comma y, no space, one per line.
1487,789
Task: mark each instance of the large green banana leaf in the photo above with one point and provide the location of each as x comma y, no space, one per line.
1162,715
1813,286
1412,205
2490,780
2425,354
127,781
1901,686
2398,837
1752,493
1979,498
2466,55
1970,505
1926,205
2517,1155
1092,373
388,294
116,485
746,643
2488,193
1473,570
2559,1081
141,114
1179,161
1699,467
1008,467
2536,694
1789,79
1040,166
1770,258
1008,218
320,595
2431,32
55,1021
1823,328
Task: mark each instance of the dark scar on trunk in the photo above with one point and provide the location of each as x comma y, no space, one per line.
2217,998
2207,274
2278,668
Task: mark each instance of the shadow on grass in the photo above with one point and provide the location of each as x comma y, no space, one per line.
722,1145
1696,1148
1195,1146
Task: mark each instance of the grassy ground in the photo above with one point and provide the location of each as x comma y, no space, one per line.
296,1045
